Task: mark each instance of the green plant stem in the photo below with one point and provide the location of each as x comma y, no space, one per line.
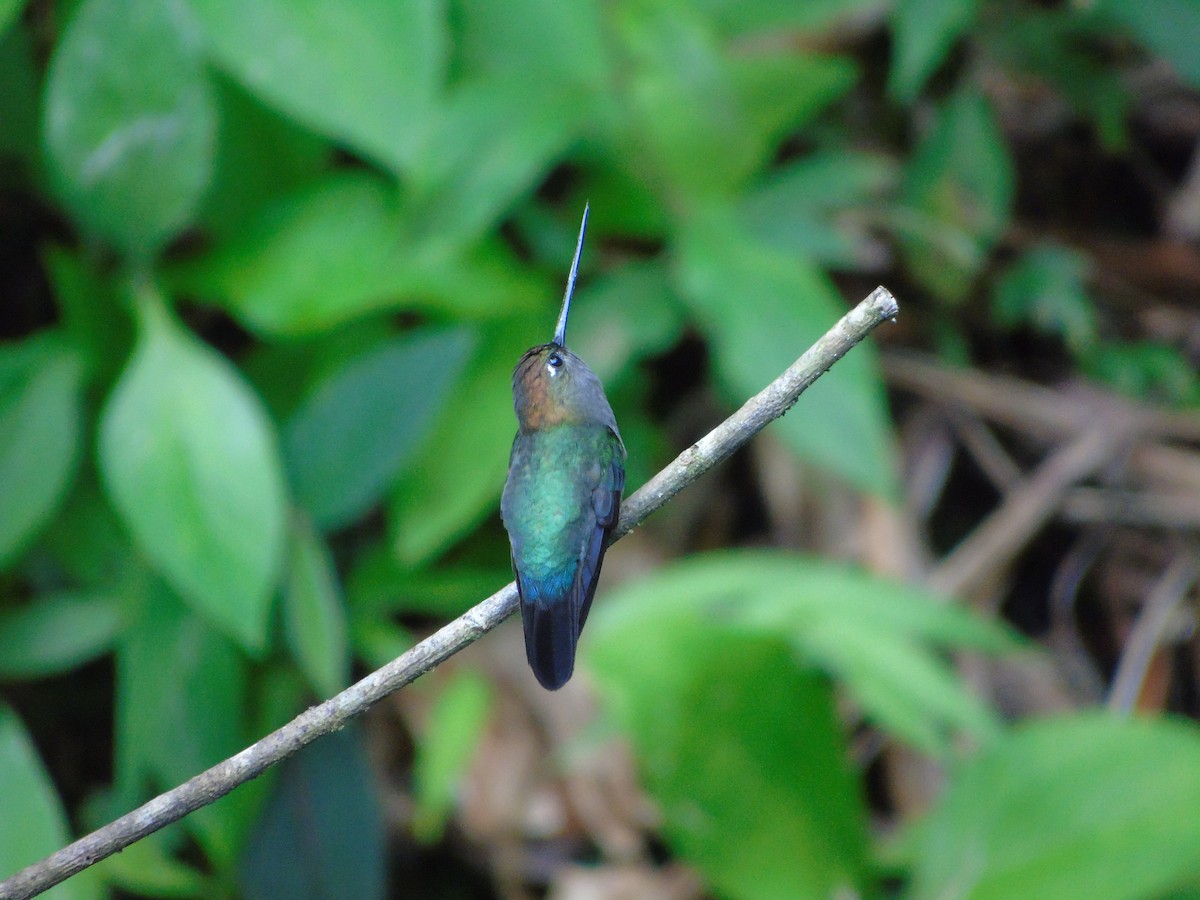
769,404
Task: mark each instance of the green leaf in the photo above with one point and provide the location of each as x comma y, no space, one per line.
457,477
753,784
1085,806
129,120
1045,289
190,461
339,249
707,120
493,141
181,701
363,73
321,833
760,310
314,614
57,633
957,198
260,155
359,426
34,824
1166,27
535,41
40,397
923,31
311,260
446,747
881,639
811,207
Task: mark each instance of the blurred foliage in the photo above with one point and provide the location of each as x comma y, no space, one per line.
296,246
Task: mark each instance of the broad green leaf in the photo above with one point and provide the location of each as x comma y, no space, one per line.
191,463
40,409
923,31
445,749
260,155
812,207
760,310
1045,289
457,477
339,249
707,120
742,750
1166,27
312,259
494,141
321,833
314,615
350,437
539,40
957,197
1086,806
34,823
181,702
364,73
883,640
56,633
129,120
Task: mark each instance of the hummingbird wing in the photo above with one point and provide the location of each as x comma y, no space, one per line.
606,505
553,618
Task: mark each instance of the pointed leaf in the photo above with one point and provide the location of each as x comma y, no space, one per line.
190,461
882,639
40,395
129,120
1086,806
350,437
753,783
958,196
363,73
923,31
34,824
56,633
760,310
457,478
449,742
314,613
181,704
321,833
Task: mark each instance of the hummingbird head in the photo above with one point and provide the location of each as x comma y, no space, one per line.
551,385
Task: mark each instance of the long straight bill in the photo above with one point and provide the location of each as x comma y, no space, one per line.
560,332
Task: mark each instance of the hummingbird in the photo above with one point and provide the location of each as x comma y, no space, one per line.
562,498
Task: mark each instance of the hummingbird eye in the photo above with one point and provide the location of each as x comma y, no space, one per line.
554,361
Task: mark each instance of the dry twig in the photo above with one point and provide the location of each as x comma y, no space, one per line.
770,403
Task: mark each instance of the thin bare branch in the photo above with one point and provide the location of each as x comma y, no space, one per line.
771,403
